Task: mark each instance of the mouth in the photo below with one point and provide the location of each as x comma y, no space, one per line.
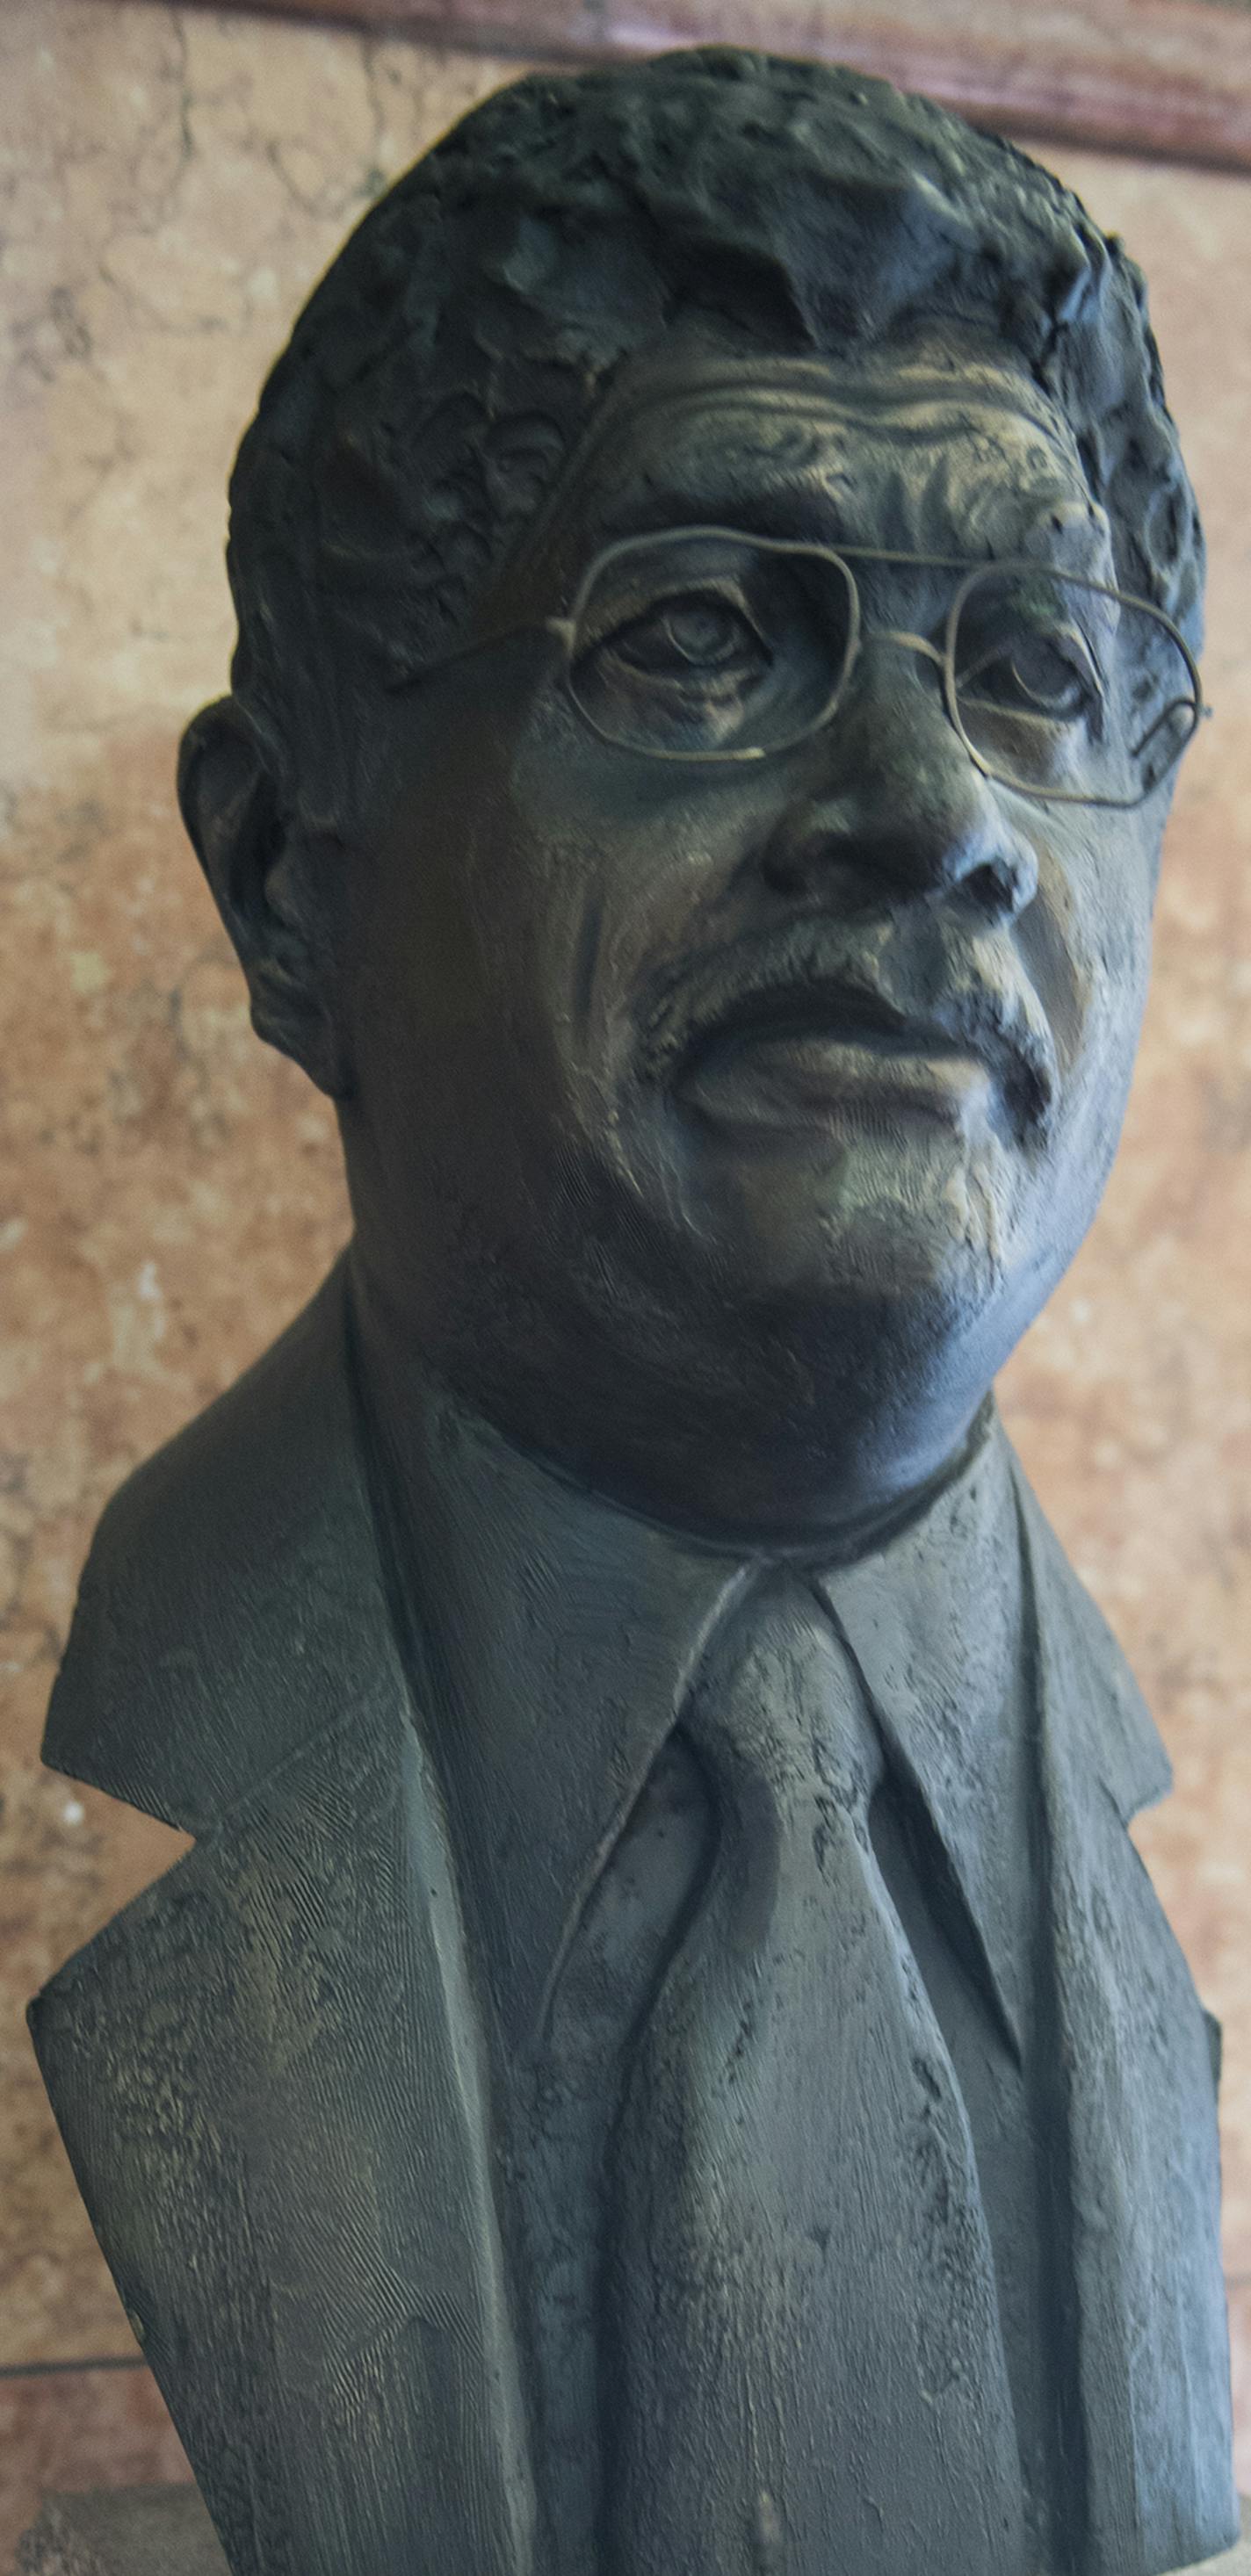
825,1049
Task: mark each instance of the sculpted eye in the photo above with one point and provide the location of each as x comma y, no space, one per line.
1033,674
682,638
704,645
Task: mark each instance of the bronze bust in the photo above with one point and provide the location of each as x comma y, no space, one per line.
663,2060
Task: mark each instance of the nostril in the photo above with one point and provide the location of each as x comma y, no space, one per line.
990,887
786,867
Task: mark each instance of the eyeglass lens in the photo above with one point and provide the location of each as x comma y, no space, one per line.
711,645
1062,687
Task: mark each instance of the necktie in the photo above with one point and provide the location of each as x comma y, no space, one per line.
805,2373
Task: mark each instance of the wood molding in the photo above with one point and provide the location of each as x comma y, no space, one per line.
1165,77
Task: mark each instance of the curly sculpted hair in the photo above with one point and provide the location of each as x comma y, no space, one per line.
448,361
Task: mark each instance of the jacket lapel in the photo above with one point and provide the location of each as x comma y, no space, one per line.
268,2075
1139,2095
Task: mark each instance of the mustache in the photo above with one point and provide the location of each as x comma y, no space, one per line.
817,975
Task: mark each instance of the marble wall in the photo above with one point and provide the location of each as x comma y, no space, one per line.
169,1193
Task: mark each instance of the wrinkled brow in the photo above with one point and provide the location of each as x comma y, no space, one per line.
946,475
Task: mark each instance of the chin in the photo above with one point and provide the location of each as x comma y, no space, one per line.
934,1235
897,1321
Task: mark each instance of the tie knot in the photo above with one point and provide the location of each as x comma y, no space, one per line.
778,1692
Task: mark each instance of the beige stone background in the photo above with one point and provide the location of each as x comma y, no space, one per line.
170,1193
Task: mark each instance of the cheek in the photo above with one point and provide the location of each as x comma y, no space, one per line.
451,891
1117,924
626,857
1087,942
1086,938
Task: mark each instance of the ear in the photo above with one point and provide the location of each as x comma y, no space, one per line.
262,884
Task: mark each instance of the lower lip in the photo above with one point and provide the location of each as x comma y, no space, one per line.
813,1081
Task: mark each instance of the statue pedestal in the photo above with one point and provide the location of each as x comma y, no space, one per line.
165,2531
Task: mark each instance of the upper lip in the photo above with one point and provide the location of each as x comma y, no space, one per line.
807,982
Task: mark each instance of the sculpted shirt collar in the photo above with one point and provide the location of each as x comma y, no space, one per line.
553,1637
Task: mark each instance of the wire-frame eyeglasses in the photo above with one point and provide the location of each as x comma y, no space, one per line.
713,644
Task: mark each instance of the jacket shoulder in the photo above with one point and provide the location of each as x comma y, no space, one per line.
231,1591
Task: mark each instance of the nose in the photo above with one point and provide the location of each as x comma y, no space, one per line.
890,799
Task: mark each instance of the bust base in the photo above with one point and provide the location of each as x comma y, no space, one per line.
165,2531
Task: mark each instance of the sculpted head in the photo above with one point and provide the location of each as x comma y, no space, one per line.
724,938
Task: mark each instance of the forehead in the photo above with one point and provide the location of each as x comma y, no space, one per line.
931,453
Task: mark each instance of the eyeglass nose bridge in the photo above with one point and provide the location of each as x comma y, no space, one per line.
905,641
908,643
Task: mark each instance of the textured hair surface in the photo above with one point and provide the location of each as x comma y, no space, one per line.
453,353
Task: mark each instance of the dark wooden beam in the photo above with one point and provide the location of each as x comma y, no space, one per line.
1168,77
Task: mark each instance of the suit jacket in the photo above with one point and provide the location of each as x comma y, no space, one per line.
269,2069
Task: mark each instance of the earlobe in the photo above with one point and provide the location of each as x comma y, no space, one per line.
249,854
